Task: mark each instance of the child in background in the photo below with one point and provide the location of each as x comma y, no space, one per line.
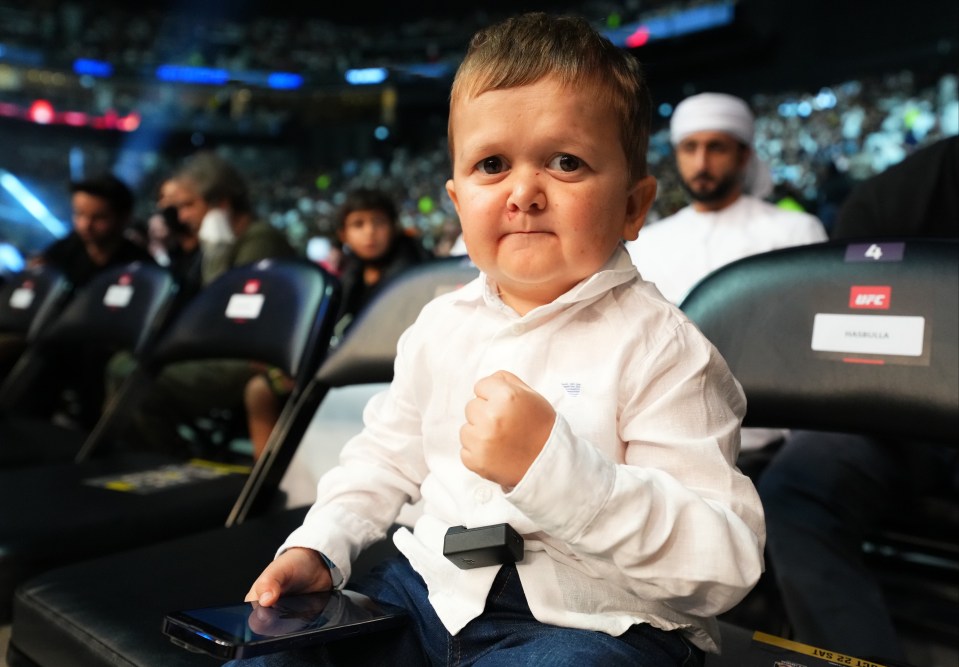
558,392
375,250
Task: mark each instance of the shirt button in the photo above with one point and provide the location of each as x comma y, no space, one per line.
482,494
517,328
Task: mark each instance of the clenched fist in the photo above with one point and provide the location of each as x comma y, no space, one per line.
507,424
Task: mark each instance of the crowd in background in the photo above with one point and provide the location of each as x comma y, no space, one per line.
817,142
144,36
855,130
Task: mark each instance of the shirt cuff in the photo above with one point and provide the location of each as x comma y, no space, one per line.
335,573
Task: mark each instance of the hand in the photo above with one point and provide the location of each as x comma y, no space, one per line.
296,570
290,614
507,424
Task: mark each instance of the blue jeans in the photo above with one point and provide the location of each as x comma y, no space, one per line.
506,634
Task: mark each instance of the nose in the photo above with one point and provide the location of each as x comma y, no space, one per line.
700,158
527,192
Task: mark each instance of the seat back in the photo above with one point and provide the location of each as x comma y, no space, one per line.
858,338
365,356
29,300
121,308
266,311
276,311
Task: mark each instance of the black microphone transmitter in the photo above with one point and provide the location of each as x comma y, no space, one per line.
484,546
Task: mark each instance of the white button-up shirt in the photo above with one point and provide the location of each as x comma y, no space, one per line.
633,512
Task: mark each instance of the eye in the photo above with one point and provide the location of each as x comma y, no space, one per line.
491,165
566,162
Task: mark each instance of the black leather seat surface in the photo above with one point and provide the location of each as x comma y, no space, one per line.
70,514
121,611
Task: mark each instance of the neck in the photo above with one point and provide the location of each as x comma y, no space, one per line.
240,223
100,253
523,301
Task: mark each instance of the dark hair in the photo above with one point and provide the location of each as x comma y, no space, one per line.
366,199
215,179
110,188
528,48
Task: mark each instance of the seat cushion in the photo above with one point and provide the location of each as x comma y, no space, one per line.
59,514
109,611
28,441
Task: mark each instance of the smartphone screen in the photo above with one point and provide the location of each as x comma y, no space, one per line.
246,629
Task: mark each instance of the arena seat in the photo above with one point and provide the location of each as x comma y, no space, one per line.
122,308
107,612
28,301
63,513
774,318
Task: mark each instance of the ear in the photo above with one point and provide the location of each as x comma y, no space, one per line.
638,200
451,191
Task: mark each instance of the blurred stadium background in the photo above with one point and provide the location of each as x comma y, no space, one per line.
311,99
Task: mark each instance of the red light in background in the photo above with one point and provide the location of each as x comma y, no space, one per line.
109,119
75,118
41,112
128,123
638,38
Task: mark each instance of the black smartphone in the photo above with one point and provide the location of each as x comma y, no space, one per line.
246,629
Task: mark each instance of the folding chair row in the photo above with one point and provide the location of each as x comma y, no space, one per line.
274,312
77,616
121,309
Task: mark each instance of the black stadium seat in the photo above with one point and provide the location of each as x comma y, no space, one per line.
765,313
62,513
121,309
784,321
109,611
28,301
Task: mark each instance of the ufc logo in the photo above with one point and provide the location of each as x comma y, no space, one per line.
872,297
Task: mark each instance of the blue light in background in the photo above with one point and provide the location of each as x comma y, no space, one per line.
429,70
34,206
367,76
284,81
89,67
188,74
10,258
